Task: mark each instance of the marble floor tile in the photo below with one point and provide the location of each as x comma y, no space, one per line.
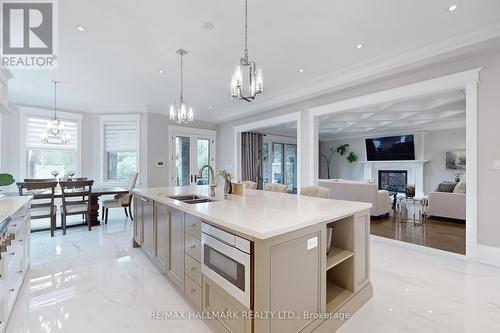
96,282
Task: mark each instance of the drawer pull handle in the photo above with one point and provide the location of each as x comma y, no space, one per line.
12,253
11,290
193,269
193,290
20,272
193,246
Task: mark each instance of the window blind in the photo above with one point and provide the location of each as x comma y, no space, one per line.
120,136
36,125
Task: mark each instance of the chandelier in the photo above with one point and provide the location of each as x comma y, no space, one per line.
55,133
253,76
181,112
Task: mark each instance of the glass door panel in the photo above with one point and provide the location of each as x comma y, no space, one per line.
182,161
202,158
277,165
291,167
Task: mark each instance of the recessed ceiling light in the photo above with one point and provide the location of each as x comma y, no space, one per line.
161,71
301,70
208,25
359,46
80,28
452,8
210,106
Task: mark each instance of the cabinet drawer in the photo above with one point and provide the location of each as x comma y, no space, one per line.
216,299
193,247
193,269
193,226
192,291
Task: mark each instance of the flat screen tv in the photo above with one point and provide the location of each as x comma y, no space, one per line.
390,148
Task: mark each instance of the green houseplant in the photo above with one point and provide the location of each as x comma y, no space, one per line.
5,180
342,150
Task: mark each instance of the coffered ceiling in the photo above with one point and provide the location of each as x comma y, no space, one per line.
303,48
446,110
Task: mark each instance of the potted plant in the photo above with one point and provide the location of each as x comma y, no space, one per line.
5,180
341,150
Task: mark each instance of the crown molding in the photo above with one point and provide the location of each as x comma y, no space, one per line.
397,61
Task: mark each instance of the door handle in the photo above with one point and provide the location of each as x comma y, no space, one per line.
191,178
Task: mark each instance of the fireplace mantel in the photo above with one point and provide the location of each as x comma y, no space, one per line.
415,169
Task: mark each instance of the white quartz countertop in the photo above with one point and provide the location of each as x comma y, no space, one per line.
10,205
257,214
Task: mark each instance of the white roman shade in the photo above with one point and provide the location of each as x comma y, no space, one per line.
36,125
120,136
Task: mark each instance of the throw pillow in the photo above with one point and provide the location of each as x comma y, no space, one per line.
446,187
460,188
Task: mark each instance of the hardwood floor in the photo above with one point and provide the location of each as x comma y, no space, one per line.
439,234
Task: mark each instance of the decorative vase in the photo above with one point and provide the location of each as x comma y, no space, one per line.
227,187
410,191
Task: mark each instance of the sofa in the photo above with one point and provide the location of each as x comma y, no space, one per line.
359,191
446,204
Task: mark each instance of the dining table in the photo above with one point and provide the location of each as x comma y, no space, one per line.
96,193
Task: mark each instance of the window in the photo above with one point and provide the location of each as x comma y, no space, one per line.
120,148
45,160
280,164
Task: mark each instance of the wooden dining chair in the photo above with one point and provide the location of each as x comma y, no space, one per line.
42,206
76,200
121,200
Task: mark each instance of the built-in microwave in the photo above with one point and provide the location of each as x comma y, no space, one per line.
227,260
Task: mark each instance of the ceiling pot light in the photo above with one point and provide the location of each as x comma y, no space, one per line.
210,106
180,111
208,25
81,28
452,8
359,46
254,82
55,132
301,70
161,71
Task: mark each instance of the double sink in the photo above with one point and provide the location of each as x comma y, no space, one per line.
191,199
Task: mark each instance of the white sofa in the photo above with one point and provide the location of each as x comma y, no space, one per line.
359,191
445,204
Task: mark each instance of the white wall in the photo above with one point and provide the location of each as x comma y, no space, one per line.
488,120
153,146
431,145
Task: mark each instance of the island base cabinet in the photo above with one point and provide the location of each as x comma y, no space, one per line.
175,246
161,225
138,222
148,227
217,301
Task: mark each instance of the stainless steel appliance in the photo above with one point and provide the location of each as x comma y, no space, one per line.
227,261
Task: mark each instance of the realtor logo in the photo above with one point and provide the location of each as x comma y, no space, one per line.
28,34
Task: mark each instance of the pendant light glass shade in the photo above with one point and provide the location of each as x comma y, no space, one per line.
55,132
180,111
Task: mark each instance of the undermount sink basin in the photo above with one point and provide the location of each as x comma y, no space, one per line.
191,199
185,197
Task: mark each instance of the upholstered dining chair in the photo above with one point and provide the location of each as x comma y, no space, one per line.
275,187
121,200
75,200
315,191
249,184
42,206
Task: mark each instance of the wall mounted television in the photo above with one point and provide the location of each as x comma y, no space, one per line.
390,148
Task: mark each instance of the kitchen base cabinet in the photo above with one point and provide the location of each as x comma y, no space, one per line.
15,257
233,316
148,226
138,222
161,217
175,245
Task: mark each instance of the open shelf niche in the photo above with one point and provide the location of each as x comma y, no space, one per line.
340,264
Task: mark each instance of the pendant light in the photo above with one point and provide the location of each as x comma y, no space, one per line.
55,132
180,111
246,69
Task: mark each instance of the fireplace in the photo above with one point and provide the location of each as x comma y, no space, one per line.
393,180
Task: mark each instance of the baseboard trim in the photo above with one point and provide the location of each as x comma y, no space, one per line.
489,255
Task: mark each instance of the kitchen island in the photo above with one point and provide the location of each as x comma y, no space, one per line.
258,262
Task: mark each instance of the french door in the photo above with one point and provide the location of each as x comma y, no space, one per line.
190,152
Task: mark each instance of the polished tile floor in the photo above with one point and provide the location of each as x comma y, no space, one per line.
96,282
